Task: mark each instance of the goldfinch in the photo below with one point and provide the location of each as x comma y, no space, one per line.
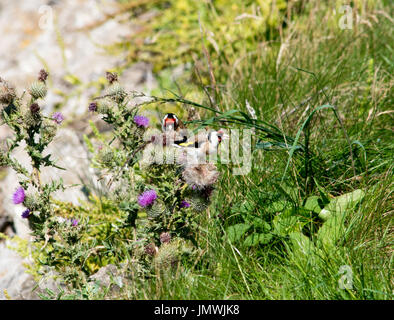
202,146
170,122
174,128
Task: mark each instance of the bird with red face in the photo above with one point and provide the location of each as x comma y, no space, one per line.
174,129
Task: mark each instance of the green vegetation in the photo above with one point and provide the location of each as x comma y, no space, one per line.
313,217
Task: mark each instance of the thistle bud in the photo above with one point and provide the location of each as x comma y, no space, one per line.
48,132
198,203
157,209
117,92
93,106
167,256
103,106
151,249
32,201
148,155
30,118
201,176
171,155
7,92
165,237
38,90
106,156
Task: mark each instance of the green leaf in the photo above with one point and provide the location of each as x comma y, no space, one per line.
265,238
312,204
322,192
257,238
340,205
261,224
275,207
235,232
331,231
96,132
88,143
252,240
275,146
285,223
290,192
72,79
302,246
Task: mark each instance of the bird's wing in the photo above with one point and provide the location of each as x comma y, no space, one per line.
187,144
196,141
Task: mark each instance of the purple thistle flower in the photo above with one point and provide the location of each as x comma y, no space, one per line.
74,222
58,117
19,196
93,107
141,121
25,214
185,204
147,198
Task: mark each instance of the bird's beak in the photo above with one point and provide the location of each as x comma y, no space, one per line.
224,136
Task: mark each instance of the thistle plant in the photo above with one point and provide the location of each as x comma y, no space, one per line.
145,175
156,202
30,126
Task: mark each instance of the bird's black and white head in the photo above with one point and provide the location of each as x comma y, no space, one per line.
170,122
215,137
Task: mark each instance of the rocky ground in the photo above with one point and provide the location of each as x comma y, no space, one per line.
65,37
